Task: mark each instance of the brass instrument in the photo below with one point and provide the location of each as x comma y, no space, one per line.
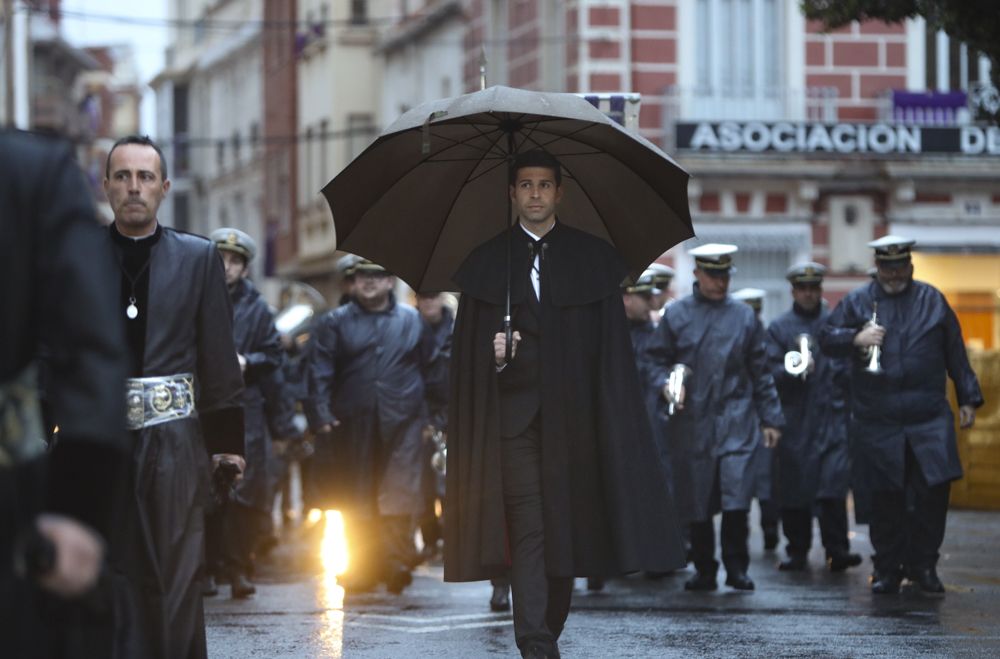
439,461
675,387
797,361
873,354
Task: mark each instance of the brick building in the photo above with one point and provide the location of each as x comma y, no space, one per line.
801,144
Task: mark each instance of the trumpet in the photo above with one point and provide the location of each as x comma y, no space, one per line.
797,361
675,387
439,461
873,354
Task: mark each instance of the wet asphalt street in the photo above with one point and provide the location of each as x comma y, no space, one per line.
300,612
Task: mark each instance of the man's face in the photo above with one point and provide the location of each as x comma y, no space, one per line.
637,305
535,195
371,289
714,287
807,296
894,278
135,187
430,307
236,266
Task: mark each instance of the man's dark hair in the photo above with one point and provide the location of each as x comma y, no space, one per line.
144,140
536,158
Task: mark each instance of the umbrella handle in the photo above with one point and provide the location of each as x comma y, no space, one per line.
508,332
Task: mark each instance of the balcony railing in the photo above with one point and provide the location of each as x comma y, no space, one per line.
776,104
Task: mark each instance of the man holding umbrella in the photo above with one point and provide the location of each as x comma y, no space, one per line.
551,465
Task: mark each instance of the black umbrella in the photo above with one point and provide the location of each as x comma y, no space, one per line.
433,186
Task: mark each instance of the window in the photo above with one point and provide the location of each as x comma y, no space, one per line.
324,141
182,211
739,48
360,132
359,12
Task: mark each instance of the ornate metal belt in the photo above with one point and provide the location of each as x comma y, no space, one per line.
156,400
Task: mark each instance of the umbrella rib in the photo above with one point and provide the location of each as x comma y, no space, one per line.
451,206
465,142
484,173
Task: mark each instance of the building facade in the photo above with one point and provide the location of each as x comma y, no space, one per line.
210,113
802,144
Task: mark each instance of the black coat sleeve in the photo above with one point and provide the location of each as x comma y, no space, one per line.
321,372
219,378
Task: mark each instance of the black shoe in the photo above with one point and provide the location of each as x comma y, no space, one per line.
770,539
540,651
840,562
355,585
398,579
209,587
241,587
500,600
795,563
886,584
701,581
595,584
739,581
927,579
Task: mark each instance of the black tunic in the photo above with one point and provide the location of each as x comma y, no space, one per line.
607,509
157,551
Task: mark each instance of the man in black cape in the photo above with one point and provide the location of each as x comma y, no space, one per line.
56,304
552,468
182,405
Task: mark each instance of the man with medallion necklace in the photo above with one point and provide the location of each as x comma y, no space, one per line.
182,406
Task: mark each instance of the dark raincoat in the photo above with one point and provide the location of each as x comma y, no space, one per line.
258,341
905,405
813,454
642,332
367,371
730,394
607,509
157,553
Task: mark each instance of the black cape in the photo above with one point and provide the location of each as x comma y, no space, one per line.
607,508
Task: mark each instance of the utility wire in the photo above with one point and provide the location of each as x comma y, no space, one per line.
309,26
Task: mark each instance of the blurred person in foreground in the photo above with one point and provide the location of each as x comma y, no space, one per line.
904,341
57,296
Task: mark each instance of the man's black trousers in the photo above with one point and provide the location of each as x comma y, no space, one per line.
796,523
735,556
907,526
541,603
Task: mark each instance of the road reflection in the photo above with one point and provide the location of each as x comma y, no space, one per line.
334,561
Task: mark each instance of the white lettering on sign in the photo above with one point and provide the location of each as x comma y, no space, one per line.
785,137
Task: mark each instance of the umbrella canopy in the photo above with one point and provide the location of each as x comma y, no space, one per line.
434,185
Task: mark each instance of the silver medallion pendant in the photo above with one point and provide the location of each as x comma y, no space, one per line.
132,311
